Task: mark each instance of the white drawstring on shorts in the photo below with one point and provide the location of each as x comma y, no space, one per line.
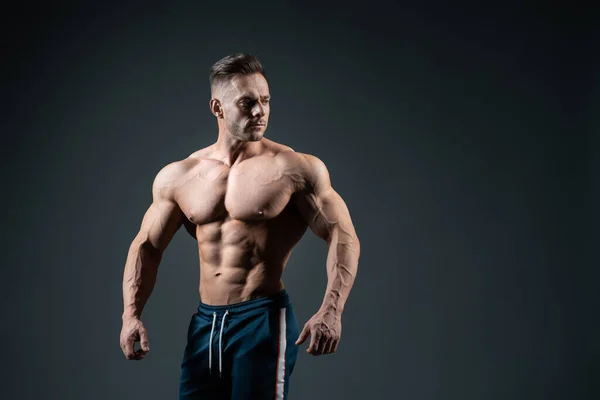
220,343
210,342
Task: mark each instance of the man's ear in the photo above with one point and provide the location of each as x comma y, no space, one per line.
215,108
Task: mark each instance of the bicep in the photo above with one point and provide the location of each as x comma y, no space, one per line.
319,211
321,206
160,223
164,217
324,212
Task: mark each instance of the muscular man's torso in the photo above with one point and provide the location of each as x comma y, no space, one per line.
244,220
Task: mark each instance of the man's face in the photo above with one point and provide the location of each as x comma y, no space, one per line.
245,101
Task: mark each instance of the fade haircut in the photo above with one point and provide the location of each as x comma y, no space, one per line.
233,64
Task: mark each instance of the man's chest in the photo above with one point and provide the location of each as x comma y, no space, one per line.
252,190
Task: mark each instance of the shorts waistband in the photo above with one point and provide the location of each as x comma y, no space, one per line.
278,300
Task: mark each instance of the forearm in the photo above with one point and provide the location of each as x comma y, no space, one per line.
139,276
342,266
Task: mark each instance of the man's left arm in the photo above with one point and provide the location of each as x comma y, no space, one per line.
328,217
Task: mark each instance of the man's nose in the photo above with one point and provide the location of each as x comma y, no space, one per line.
258,110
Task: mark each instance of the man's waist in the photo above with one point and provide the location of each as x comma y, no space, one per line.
276,300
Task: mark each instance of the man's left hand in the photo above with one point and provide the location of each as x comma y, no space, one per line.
325,329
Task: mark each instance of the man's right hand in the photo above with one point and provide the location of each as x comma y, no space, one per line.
134,331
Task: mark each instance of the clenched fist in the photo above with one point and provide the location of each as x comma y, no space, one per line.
134,331
325,329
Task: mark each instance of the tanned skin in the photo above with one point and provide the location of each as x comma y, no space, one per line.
247,201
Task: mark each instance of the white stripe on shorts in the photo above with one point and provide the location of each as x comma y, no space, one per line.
281,357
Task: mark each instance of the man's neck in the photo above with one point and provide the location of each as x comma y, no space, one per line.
232,151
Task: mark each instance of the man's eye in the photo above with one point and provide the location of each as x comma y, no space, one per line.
265,101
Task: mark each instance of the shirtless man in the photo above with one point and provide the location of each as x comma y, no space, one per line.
247,201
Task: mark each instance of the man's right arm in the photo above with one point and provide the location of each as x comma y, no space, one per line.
159,225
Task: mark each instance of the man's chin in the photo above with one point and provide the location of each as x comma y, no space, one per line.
255,136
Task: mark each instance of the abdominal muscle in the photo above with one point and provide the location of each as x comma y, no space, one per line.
235,263
220,285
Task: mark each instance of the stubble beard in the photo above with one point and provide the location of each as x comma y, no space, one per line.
239,132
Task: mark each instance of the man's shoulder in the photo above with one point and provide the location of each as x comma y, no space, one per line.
174,172
288,154
305,162
308,167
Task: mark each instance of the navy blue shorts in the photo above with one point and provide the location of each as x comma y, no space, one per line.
240,351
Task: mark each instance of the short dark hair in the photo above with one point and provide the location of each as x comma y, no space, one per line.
238,63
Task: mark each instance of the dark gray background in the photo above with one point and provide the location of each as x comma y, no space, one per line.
456,135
